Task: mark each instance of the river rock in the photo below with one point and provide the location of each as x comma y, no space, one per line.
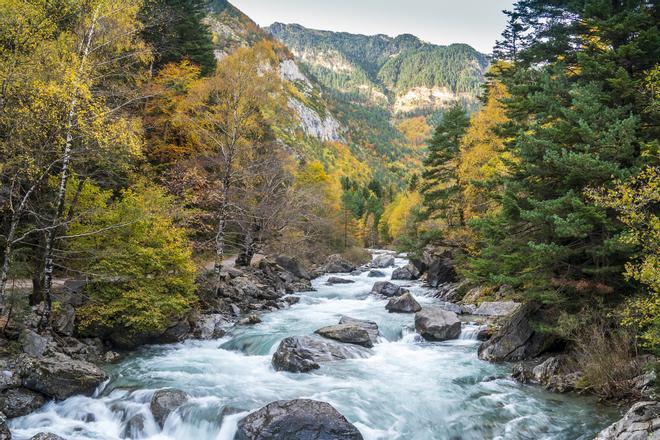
134,426
46,436
300,354
337,280
59,376
403,304
347,333
641,422
376,274
5,434
407,272
386,288
292,265
250,320
517,339
450,307
441,271
164,402
33,343
496,308
17,402
337,264
436,324
209,326
553,373
64,320
299,419
370,326
382,261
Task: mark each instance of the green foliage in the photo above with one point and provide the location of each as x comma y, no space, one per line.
176,31
139,263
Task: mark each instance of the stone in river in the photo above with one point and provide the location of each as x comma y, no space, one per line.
436,324
348,333
164,402
301,354
370,326
337,280
386,288
403,304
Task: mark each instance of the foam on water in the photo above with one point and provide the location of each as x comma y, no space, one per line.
408,388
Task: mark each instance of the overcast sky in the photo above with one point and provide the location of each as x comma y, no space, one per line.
476,22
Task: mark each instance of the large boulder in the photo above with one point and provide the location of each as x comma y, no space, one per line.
370,326
46,436
300,354
209,326
382,261
388,289
407,272
64,320
17,402
517,339
450,307
403,304
337,264
292,265
134,426
299,419
165,402
641,422
496,308
59,376
441,271
436,324
33,344
348,333
337,280
553,373
376,274
5,434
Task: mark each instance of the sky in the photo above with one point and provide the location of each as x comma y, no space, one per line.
475,22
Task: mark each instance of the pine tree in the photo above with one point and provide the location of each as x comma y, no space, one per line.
176,31
440,187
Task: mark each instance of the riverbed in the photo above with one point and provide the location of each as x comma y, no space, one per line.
408,388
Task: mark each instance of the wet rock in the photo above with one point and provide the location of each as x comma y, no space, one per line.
5,434
451,292
517,339
347,333
292,265
88,349
134,426
209,326
64,320
175,333
300,354
403,304
376,274
441,271
386,288
164,402
337,280
370,326
60,376
250,320
337,264
552,373
292,299
46,436
450,307
34,344
641,422
17,402
485,334
436,324
468,309
300,419
496,308
382,261
407,272
111,357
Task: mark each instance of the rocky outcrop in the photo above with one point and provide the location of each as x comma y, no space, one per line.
59,377
496,308
64,320
209,326
164,402
403,304
441,271
552,373
347,333
34,344
5,434
370,326
337,264
46,436
17,402
382,261
641,422
407,272
517,339
436,324
325,128
293,266
450,307
300,419
376,274
388,289
300,354
337,280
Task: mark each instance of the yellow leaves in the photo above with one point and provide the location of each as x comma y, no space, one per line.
398,214
416,130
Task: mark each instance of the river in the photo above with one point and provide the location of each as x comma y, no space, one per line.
408,389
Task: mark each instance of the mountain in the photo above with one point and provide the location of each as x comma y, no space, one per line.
405,74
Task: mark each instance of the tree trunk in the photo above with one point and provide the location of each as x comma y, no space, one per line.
244,258
6,260
220,232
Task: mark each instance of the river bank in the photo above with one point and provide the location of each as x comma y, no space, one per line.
405,388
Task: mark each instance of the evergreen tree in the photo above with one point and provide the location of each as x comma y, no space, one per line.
175,30
440,186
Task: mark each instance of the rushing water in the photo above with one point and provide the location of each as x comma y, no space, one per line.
408,389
